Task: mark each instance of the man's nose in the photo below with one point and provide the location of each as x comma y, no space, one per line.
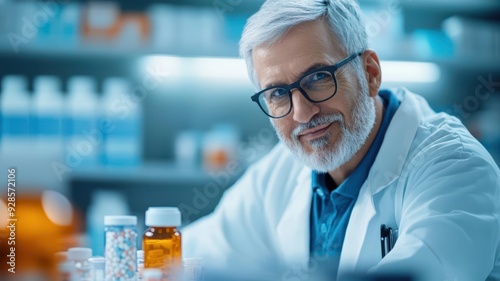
303,109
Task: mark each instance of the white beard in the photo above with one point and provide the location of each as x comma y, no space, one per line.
323,158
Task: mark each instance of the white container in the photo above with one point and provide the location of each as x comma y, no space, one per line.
47,109
84,139
123,142
97,268
81,266
121,248
14,115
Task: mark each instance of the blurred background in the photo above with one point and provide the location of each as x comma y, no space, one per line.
121,105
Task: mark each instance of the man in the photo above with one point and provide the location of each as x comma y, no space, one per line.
355,164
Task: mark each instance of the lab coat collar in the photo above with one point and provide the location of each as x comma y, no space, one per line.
395,148
386,168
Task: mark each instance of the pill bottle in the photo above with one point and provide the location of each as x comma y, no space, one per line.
81,266
161,242
120,248
97,268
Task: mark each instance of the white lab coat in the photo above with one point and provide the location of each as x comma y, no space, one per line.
431,180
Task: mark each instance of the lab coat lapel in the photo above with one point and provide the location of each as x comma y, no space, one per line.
395,147
293,228
361,215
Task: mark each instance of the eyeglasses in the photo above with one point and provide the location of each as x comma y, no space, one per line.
317,85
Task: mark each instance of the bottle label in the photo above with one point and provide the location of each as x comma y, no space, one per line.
15,125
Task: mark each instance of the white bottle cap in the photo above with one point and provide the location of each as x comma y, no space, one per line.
151,274
97,262
163,216
120,220
79,253
81,84
47,84
14,83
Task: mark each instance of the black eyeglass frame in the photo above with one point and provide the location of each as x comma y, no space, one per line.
296,85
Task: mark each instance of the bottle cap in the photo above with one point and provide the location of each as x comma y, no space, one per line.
163,216
120,220
14,83
81,84
97,260
79,253
151,274
97,263
47,84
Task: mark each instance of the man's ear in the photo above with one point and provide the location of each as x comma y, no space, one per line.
373,73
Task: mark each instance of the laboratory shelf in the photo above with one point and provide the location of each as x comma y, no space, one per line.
148,172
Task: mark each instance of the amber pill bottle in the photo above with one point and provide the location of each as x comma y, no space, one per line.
161,242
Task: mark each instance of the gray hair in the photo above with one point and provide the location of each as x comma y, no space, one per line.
276,17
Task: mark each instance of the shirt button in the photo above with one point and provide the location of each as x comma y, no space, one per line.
323,228
320,192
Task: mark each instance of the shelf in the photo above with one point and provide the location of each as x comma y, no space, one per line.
453,6
148,172
117,51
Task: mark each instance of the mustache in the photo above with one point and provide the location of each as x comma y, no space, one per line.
317,121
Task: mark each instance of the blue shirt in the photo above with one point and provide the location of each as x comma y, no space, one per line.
331,205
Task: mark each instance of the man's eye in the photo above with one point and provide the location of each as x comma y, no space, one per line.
277,93
318,76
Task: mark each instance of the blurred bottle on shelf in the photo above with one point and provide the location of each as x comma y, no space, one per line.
219,147
50,12
100,21
123,140
68,28
165,33
473,37
104,22
47,116
83,138
104,203
14,114
188,149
